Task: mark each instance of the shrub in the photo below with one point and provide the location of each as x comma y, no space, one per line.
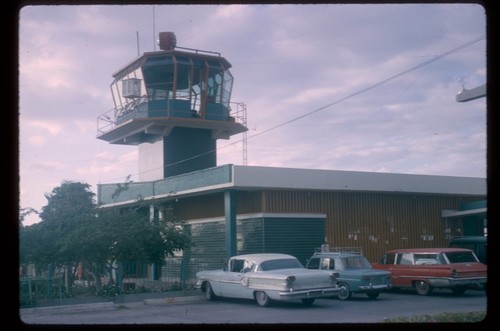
455,317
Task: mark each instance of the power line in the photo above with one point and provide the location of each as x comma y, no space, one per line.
371,87
349,96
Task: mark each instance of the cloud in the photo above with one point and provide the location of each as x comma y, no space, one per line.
50,127
107,164
47,166
86,126
288,61
37,140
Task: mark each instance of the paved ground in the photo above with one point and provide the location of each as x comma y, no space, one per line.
195,309
125,298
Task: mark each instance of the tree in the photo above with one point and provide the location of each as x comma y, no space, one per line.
137,238
74,232
70,207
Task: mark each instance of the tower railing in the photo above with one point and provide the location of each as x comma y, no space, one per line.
138,107
240,114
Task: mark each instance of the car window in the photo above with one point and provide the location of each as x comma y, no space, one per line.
313,263
404,259
356,262
460,257
248,266
280,264
328,264
428,258
236,265
388,258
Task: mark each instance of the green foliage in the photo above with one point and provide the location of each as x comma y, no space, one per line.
23,212
108,291
56,239
455,317
134,237
73,230
121,188
32,290
26,297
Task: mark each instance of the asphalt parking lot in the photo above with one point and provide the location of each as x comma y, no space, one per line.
197,310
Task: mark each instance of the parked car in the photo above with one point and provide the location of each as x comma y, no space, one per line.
478,244
267,277
424,269
356,274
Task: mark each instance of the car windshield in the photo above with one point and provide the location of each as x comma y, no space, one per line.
460,257
280,264
356,262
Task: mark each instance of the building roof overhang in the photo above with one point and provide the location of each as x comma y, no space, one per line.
252,178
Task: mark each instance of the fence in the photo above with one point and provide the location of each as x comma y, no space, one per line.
175,274
32,290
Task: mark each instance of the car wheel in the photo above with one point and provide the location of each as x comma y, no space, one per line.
423,288
262,299
209,293
308,301
345,293
373,294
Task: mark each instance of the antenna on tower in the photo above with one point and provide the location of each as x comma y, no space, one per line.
138,50
154,30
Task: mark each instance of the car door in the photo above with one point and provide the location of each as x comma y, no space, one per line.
402,270
230,283
388,263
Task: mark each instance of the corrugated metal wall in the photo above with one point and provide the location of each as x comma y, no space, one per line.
297,236
373,221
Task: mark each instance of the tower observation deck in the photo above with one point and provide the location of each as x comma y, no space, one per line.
173,104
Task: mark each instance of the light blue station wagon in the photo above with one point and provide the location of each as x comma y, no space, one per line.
356,274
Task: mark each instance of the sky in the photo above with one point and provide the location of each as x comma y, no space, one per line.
356,87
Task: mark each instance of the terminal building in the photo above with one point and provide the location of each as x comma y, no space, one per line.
174,104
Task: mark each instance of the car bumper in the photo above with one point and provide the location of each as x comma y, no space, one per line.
376,287
307,294
453,282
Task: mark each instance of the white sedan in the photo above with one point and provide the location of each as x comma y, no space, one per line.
267,277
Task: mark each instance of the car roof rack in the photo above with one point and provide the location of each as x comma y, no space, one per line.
325,248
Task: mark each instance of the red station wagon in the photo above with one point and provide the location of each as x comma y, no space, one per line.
427,268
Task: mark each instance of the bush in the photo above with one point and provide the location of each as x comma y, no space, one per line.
108,291
456,317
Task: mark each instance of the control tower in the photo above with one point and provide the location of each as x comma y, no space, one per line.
173,104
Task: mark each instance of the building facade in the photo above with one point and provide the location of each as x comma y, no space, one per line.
372,211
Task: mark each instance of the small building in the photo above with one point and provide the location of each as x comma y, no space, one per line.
233,209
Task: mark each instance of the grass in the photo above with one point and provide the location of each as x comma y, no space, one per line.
460,317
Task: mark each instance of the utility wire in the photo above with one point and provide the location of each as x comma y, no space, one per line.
371,87
349,96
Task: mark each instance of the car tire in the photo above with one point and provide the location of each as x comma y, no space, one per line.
372,294
423,288
345,292
262,299
209,292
